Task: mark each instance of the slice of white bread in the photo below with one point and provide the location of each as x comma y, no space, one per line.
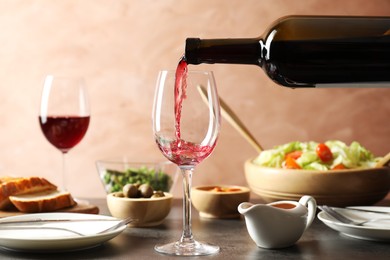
10,186
43,202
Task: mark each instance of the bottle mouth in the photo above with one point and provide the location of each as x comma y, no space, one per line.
191,50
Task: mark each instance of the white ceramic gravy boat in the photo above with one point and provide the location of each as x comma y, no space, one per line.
278,224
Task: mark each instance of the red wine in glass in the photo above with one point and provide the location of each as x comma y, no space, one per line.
64,113
64,132
181,152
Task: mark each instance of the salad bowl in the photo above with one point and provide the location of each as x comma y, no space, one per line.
335,188
364,185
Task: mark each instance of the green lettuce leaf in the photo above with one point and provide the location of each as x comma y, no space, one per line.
353,156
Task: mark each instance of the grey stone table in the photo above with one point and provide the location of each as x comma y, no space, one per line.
319,242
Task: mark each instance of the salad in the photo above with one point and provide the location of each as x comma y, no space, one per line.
157,179
331,155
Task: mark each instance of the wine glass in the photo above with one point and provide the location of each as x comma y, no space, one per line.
186,129
64,114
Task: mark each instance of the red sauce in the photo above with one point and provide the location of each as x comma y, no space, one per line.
221,189
284,206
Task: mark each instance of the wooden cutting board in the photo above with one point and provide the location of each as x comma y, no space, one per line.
81,207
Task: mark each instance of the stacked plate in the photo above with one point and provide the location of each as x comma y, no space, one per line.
377,229
48,232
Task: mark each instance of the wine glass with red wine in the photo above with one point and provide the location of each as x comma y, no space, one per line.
64,114
186,129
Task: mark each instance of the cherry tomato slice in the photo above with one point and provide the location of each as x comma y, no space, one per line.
339,167
324,152
290,163
295,155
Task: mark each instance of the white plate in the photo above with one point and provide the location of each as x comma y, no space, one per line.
377,231
382,209
45,237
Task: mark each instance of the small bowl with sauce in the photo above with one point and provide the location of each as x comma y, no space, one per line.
219,201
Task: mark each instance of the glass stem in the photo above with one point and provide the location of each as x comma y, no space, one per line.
64,171
187,236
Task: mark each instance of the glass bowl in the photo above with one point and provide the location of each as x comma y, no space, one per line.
117,172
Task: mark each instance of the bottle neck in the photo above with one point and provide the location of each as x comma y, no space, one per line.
231,51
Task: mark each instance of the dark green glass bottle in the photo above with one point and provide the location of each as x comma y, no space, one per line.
309,51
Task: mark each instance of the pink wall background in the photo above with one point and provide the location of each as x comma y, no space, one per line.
119,46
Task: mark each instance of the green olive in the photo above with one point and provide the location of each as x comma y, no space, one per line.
146,190
119,194
130,191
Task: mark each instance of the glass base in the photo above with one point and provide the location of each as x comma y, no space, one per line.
193,248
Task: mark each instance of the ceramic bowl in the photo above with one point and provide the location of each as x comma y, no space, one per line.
116,172
219,204
146,211
336,188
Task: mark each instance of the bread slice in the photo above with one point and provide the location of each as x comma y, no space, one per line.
10,186
43,202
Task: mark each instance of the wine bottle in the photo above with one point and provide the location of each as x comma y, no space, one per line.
309,51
